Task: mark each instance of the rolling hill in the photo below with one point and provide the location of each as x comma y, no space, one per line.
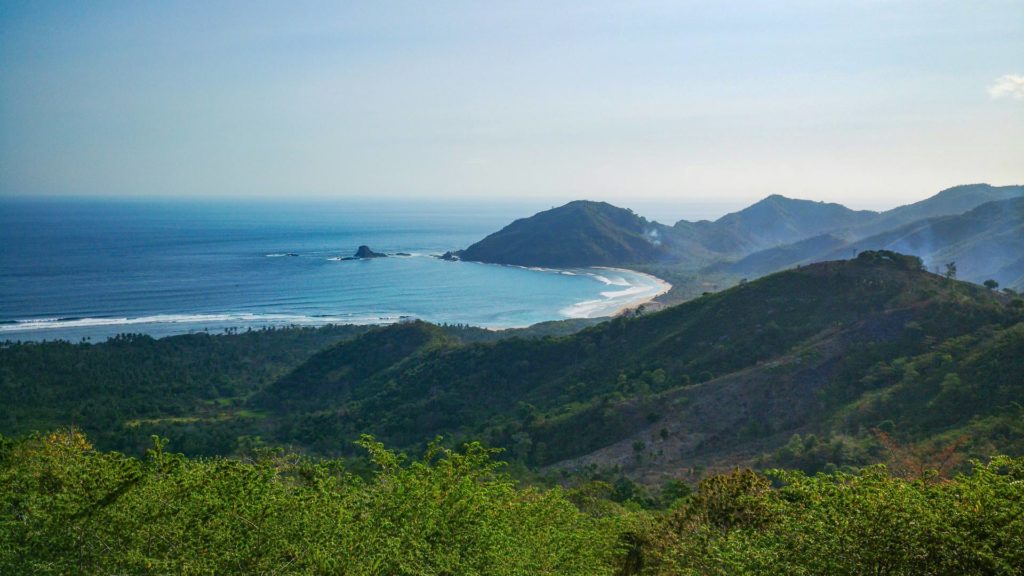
829,351
722,380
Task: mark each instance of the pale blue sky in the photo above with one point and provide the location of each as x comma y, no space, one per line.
870,103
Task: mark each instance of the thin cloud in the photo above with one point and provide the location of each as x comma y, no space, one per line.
1008,86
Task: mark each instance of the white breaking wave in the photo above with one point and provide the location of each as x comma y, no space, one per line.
265,319
643,288
631,291
610,281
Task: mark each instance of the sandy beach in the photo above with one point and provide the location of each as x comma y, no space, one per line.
647,301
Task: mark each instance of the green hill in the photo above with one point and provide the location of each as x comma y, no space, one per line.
193,387
580,233
829,350
728,377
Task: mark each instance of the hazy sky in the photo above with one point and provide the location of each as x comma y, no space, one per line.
870,103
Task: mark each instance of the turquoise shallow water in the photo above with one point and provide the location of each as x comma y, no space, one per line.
74,269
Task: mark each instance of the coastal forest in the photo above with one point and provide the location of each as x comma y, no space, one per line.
844,417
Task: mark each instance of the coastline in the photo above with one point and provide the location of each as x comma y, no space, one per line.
622,294
663,288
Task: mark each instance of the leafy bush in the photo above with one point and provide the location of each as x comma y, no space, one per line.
867,523
67,508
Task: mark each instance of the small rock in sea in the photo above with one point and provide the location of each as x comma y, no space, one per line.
365,252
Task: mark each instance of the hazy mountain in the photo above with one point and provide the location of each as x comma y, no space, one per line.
955,200
584,233
982,242
782,257
786,230
779,220
580,233
986,242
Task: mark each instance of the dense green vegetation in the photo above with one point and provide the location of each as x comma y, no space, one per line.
116,389
623,436
193,388
883,322
66,508
839,524
553,399
796,369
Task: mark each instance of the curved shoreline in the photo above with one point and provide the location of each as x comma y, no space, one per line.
617,299
664,287
616,303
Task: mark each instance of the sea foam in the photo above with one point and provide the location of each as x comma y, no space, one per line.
241,318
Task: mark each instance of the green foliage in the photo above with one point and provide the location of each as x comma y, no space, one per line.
959,385
883,326
811,455
904,261
842,524
65,508
117,391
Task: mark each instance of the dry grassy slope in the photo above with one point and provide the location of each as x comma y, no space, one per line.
703,421
730,421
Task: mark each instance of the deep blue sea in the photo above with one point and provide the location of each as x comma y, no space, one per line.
73,269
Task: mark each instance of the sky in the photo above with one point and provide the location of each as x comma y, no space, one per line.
872,103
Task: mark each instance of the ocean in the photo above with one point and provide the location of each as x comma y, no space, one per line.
90,269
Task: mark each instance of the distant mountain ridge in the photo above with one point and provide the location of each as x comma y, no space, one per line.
779,220
770,235
986,242
585,233
955,200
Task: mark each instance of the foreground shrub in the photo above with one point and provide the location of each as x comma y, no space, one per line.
866,523
65,508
